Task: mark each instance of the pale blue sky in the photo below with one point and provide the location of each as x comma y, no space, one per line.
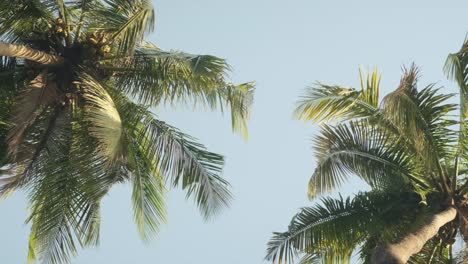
284,46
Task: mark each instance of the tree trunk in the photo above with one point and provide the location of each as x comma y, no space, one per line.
412,243
21,51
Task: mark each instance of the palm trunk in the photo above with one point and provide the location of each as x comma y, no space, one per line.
412,243
21,51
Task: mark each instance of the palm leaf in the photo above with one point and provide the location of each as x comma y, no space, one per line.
178,157
239,98
70,180
325,103
38,95
17,21
421,118
363,150
153,76
148,192
338,225
103,118
125,21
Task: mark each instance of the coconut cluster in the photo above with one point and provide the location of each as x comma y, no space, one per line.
61,28
99,42
96,43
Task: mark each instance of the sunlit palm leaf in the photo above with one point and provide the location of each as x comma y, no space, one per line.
104,119
324,103
361,149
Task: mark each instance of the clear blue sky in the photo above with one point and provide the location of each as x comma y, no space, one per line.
284,46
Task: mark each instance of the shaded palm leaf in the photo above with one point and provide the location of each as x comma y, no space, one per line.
338,224
178,157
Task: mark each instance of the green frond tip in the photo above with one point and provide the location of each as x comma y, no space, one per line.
324,103
148,192
370,86
239,98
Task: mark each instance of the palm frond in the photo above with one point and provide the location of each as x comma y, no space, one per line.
32,101
154,76
325,103
148,192
456,68
103,119
125,21
422,118
18,21
52,210
9,90
70,179
178,157
338,224
239,98
363,150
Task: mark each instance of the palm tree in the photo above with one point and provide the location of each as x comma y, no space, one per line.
77,85
406,149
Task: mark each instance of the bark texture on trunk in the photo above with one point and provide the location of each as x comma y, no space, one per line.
21,51
412,243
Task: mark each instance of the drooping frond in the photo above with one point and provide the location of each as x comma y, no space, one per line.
325,103
154,76
148,191
178,157
70,179
363,150
239,99
104,122
338,225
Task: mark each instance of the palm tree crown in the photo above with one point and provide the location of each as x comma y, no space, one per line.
77,83
407,149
